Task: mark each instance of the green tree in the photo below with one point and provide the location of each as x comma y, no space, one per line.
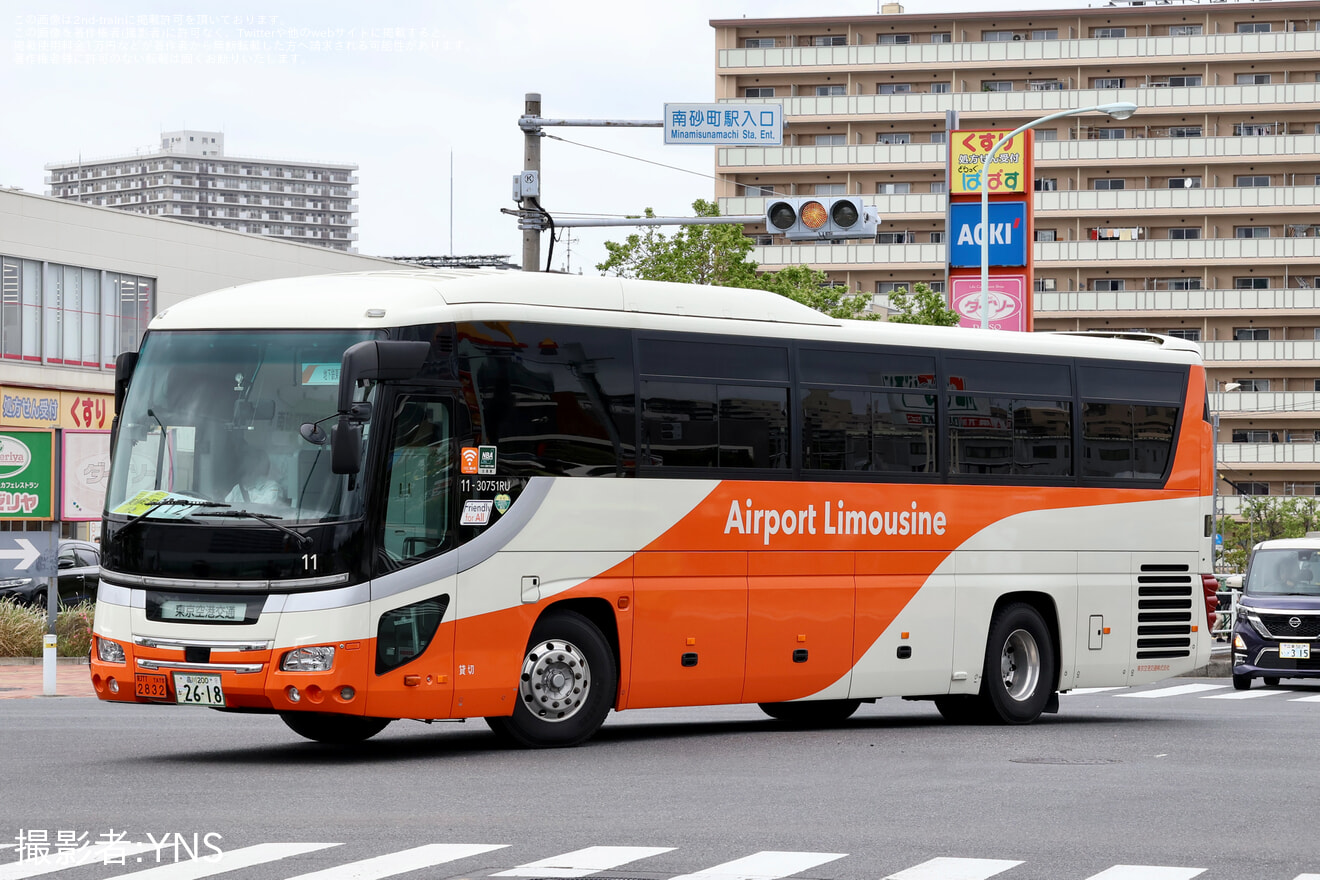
714,254
922,306
812,287
1264,518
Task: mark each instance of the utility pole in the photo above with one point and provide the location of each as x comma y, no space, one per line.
531,256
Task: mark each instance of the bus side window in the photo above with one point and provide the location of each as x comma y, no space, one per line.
417,501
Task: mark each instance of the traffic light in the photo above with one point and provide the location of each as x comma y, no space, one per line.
801,219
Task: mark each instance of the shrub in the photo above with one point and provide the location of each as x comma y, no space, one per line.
73,630
23,629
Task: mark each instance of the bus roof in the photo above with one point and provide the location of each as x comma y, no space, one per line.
382,299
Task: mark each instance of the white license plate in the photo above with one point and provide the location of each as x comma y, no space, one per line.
1294,651
198,689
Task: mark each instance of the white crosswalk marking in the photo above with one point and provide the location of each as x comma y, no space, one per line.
764,866
1247,695
1175,691
1315,699
1146,872
233,860
954,869
582,862
401,862
1307,877
83,855
1081,692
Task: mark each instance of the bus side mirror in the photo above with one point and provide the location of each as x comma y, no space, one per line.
345,447
379,359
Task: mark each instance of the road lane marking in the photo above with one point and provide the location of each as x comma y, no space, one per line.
1247,695
71,858
583,862
208,866
1315,699
402,861
954,869
767,865
1084,691
1147,872
1176,691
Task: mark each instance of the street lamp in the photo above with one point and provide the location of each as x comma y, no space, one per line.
1118,110
1214,482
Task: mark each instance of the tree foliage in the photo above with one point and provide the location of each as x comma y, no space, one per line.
1264,518
812,287
922,306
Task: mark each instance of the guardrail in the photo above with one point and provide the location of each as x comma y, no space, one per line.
1225,619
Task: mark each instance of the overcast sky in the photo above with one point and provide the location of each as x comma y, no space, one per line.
396,88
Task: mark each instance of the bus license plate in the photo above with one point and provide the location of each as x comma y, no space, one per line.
150,687
1294,651
198,689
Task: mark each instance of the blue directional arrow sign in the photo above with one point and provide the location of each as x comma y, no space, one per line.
28,554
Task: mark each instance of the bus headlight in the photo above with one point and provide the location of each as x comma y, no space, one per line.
109,652
310,659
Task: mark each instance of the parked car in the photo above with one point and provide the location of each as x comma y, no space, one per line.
79,576
1277,634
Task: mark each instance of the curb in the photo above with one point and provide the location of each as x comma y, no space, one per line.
38,661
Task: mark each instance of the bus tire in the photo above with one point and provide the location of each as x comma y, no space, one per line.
1018,677
567,685
812,713
332,728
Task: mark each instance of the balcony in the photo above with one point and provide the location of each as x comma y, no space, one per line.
1297,352
1061,303
1244,454
1234,403
1202,48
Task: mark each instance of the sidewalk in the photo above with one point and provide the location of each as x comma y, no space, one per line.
22,677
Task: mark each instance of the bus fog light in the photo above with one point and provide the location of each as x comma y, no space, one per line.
292,693
114,686
109,652
311,659
347,693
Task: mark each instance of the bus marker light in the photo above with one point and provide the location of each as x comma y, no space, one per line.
623,603
691,640
292,693
904,635
802,637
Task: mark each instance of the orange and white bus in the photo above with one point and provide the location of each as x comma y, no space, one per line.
535,498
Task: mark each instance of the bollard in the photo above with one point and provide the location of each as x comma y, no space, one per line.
48,665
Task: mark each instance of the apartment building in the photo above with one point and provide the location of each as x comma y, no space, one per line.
190,178
1197,217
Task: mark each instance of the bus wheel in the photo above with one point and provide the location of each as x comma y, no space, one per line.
329,727
813,713
567,685
1019,665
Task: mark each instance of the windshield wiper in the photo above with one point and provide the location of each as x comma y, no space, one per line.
269,520
169,502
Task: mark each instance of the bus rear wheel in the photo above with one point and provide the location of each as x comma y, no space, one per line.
333,729
1018,677
812,713
567,685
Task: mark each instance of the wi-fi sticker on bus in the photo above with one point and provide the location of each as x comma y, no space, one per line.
470,456
477,460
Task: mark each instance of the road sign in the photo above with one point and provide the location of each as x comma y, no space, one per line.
1008,234
29,554
1007,299
726,125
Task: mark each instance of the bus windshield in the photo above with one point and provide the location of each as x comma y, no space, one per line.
214,417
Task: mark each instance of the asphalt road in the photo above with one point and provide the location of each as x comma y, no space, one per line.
1197,782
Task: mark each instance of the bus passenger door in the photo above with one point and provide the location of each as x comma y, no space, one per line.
799,625
689,629
412,588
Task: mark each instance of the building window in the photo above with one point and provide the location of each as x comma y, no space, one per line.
1251,180
1108,284
1179,284
1109,33
1251,283
757,190
1253,79
944,37
1185,81
1184,30
1251,232
1047,235
831,140
1246,435
1044,85
1185,182
893,39
759,92
837,40
1044,285
1046,34
1046,184
893,138
937,237
1253,129
1253,27
903,237
1047,134
939,186
894,89
997,36
941,88
997,85
1108,82
939,137
1105,183
830,189
893,188
1109,134
1184,333
830,91
759,43
1252,334
1185,131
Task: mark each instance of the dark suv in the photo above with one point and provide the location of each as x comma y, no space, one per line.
79,575
1277,634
